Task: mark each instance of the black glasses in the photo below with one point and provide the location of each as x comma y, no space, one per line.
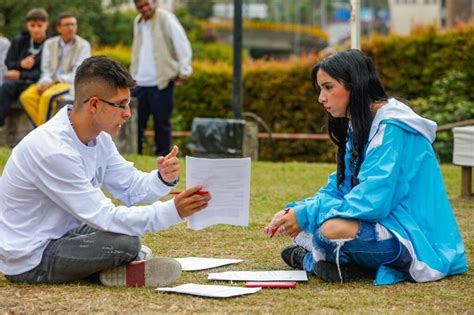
122,105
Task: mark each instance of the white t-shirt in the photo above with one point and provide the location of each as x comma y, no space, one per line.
146,72
52,183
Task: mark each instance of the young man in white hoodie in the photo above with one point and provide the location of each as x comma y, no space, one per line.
56,224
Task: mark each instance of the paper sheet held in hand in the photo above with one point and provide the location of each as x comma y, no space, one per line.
228,181
201,263
215,291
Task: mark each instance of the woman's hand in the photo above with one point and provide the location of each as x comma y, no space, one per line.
284,223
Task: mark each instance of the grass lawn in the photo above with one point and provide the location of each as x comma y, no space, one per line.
273,185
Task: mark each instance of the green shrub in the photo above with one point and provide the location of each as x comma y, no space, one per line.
119,28
279,92
215,52
409,65
119,53
432,68
450,101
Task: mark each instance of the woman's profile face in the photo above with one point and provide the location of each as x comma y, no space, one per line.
334,96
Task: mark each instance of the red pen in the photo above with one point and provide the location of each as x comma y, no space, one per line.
271,285
276,229
200,193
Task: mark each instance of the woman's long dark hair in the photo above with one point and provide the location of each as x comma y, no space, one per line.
356,72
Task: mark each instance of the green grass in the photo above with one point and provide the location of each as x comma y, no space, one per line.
273,184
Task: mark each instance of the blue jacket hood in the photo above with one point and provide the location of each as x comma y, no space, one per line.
398,111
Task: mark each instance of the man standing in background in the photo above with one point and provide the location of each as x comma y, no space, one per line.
61,56
23,60
161,54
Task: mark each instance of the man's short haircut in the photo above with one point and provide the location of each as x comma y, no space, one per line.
62,16
100,74
37,14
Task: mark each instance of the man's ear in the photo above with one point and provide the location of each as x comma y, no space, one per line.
92,104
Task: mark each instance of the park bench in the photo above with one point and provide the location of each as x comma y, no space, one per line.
18,125
463,155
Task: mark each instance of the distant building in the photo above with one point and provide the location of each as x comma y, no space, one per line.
459,11
249,11
405,14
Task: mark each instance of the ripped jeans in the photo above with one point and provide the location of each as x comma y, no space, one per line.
372,246
81,253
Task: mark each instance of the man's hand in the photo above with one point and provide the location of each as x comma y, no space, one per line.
43,87
12,75
283,224
188,202
168,166
28,62
180,80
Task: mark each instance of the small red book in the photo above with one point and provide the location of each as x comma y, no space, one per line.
271,285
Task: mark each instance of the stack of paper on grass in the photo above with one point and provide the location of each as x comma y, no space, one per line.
214,291
201,263
279,275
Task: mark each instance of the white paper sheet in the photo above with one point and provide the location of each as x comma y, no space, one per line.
277,275
228,181
215,291
201,263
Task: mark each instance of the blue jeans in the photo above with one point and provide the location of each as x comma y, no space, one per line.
372,246
80,254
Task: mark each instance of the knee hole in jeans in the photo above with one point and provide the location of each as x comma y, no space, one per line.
338,228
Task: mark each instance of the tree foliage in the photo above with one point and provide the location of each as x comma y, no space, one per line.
98,23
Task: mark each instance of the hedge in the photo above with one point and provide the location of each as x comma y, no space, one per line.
432,69
280,91
409,65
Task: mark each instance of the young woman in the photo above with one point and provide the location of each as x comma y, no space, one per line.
384,213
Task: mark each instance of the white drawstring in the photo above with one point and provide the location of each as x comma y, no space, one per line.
339,244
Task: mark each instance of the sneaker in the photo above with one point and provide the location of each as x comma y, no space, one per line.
293,256
156,272
145,253
328,272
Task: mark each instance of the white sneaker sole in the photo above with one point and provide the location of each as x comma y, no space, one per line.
158,271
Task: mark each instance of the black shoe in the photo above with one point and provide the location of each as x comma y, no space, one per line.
328,272
293,256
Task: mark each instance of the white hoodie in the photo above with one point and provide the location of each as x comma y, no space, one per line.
52,183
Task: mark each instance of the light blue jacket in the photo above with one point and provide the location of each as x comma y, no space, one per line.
401,187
